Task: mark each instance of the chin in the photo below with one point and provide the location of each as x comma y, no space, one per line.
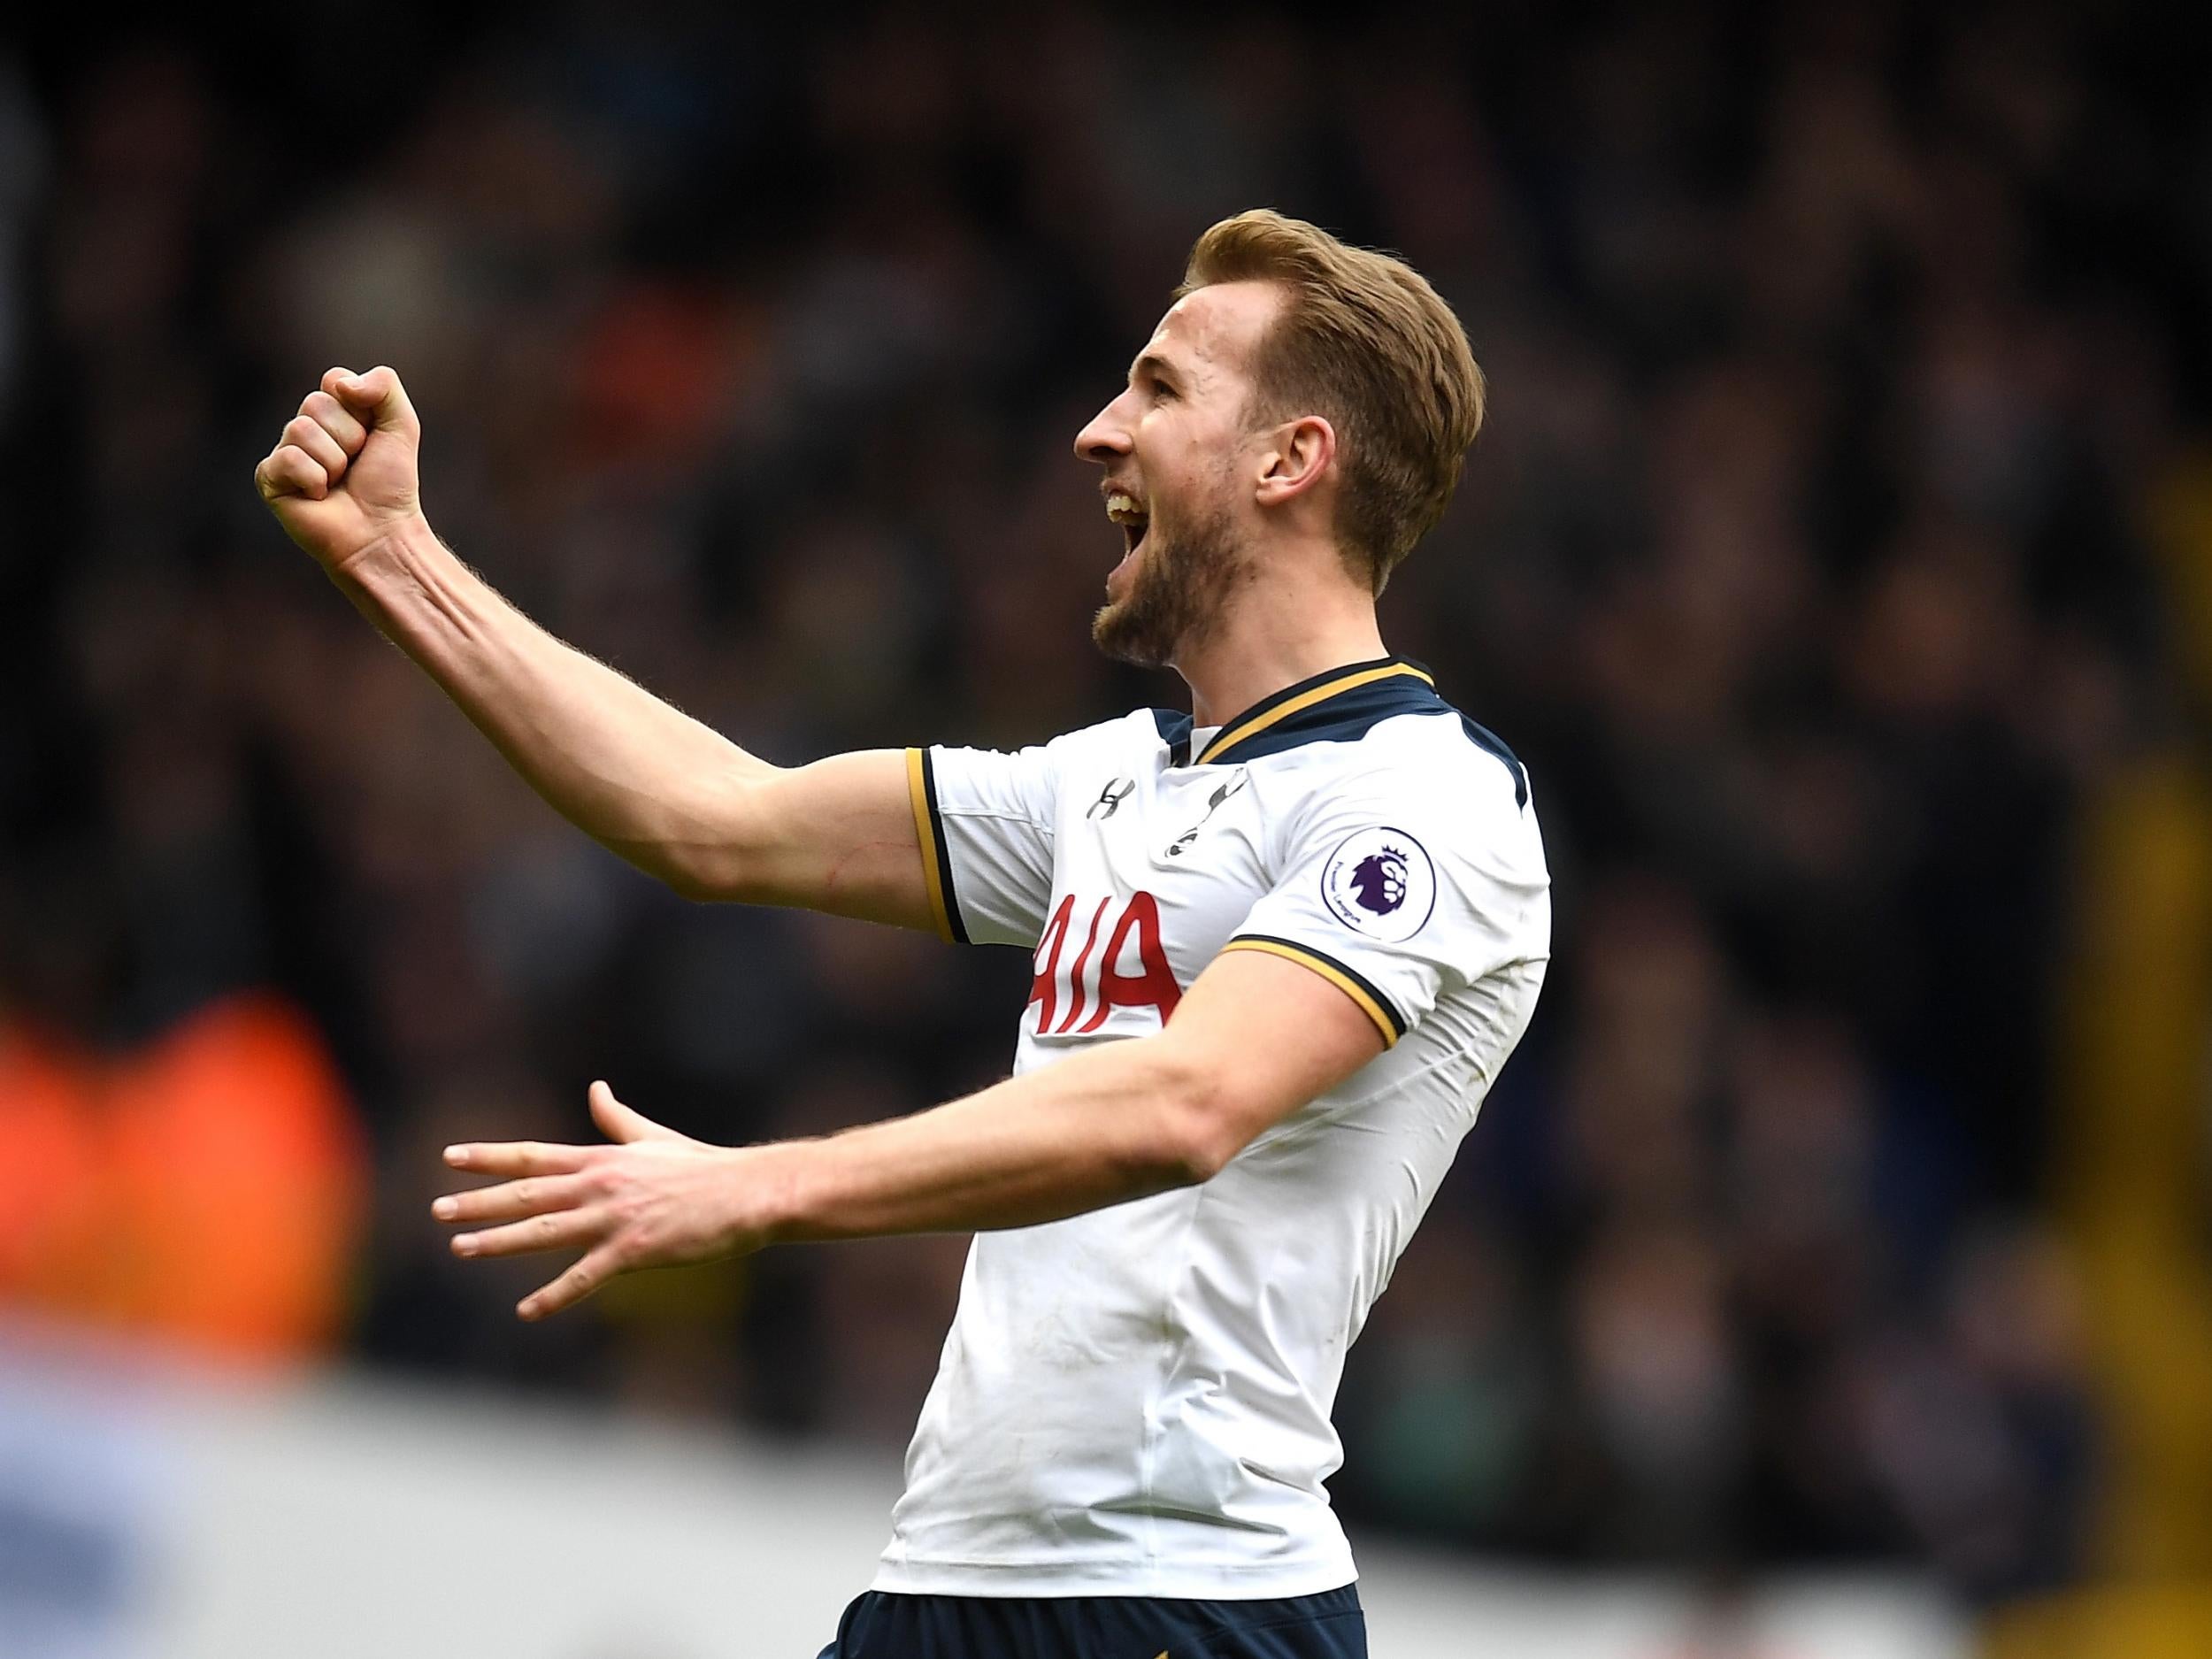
1124,632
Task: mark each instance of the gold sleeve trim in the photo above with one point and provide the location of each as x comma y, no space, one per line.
1330,972
925,832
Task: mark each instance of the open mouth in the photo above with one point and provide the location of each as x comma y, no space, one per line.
1130,514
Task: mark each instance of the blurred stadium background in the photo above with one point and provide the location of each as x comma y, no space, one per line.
1828,1276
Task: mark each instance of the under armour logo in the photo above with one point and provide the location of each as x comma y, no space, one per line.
1175,848
1111,797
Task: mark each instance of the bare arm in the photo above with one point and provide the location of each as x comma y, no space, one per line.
645,779
1255,1038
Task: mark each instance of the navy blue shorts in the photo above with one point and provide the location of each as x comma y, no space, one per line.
884,1626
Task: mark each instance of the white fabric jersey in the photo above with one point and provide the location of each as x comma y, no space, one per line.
1136,1400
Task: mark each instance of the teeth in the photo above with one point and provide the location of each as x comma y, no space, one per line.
1123,508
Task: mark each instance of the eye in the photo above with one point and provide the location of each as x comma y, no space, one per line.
1162,392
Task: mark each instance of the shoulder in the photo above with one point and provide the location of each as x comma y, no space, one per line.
1032,781
1445,756
1435,758
1126,745
1124,733
1139,730
1437,777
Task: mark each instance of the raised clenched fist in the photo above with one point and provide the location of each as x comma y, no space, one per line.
342,475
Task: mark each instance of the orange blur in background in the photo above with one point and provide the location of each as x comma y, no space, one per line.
206,1189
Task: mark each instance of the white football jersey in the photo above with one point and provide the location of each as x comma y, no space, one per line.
1136,1400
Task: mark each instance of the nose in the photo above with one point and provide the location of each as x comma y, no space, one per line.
1105,438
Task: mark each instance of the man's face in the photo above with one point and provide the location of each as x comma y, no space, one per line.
1177,446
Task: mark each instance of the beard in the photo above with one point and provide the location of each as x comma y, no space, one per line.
1177,593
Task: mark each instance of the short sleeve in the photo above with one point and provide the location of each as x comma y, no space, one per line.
984,820
1396,891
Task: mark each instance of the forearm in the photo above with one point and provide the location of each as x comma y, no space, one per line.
1098,1128
1253,1040
639,776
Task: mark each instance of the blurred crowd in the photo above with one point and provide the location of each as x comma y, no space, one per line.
1833,354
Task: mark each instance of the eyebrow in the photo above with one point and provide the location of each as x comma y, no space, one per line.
1155,365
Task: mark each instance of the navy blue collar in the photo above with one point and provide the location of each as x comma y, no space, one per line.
1357,695
1340,705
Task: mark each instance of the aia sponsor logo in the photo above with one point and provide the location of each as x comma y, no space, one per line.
1118,962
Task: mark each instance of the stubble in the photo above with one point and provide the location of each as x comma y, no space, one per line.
1180,591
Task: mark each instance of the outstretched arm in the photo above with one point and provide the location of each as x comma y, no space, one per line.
1255,1038
666,792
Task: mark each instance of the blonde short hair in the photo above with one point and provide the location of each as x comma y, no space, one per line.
1366,342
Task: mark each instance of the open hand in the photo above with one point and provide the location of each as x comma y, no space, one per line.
343,474
654,1198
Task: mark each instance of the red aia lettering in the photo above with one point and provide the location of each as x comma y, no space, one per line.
1046,986
1075,974
1152,985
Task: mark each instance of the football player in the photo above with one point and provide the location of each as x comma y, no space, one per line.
1283,944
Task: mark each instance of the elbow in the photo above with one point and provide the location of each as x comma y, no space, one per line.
1199,1127
699,880
688,873
715,851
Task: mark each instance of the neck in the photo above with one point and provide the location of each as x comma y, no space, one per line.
1276,634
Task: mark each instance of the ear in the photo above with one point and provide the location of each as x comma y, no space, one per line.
1301,452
